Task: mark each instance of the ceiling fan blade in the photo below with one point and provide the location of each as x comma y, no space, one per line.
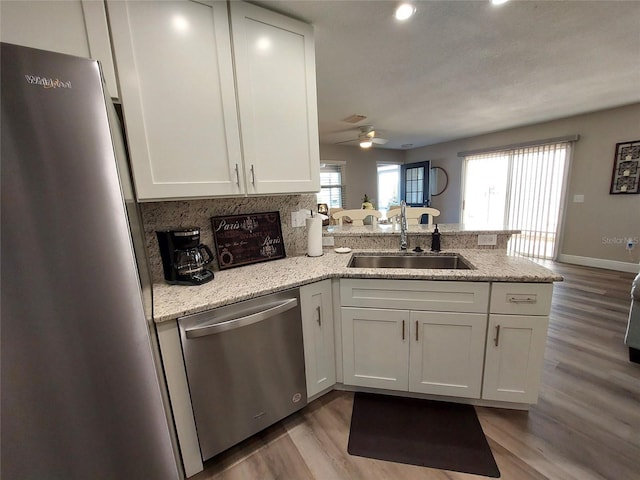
346,141
379,141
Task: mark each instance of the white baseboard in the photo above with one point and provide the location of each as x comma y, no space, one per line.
600,263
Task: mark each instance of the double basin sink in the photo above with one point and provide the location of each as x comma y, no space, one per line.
428,261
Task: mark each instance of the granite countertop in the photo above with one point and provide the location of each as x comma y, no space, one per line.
381,229
242,283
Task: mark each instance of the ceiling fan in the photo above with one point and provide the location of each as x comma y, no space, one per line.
366,137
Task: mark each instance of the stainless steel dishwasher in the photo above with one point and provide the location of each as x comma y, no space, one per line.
245,367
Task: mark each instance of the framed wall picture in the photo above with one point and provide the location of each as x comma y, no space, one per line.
249,238
626,168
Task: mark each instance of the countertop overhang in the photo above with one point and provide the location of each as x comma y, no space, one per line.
237,284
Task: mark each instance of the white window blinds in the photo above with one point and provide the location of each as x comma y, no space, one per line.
332,185
518,189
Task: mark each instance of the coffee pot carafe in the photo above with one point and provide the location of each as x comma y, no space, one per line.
183,256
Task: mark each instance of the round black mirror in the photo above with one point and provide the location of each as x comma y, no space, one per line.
439,180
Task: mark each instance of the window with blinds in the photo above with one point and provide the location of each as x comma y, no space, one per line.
518,189
332,188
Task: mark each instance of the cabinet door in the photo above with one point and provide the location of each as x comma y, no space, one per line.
176,72
447,353
375,348
275,70
317,332
75,27
514,357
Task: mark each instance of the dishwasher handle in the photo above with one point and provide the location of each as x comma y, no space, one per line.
214,328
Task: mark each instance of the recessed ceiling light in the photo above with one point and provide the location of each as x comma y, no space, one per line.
404,11
498,2
263,43
180,24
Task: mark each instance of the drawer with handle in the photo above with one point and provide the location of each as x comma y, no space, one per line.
521,298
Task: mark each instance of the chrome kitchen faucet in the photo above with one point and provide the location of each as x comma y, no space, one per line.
403,225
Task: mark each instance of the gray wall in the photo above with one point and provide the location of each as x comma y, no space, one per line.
593,229
361,174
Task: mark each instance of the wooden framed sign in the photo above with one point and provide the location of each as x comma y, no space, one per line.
249,238
626,168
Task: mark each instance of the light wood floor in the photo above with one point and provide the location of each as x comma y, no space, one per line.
586,424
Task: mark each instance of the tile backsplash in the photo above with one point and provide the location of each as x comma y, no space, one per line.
161,215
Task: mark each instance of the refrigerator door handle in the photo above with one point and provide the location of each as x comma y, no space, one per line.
213,328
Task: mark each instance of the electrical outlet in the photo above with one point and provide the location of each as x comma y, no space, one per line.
328,241
297,219
491,239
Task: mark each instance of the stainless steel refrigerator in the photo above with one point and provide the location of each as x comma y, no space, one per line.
81,393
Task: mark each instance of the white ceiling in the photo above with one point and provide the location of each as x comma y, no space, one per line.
464,68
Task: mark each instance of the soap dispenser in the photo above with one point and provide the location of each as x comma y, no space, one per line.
435,240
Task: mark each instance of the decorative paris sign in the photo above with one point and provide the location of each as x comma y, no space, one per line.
249,238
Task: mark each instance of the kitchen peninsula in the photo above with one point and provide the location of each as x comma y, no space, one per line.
474,335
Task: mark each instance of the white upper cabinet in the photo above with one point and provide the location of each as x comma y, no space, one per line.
187,109
74,27
176,73
276,81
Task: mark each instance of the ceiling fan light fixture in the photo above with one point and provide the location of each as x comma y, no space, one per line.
404,11
366,143
355,118
498,2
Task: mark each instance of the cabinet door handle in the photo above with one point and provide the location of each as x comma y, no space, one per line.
497,339
521,298
237,176
416,330
253,176
403,330
319,316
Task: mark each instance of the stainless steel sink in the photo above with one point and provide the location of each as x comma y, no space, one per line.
455,262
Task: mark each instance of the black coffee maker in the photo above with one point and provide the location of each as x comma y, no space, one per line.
184,257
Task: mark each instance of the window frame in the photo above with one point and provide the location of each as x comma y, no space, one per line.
399,185
514,153
340,166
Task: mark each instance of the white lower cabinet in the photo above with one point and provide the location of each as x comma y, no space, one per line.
439,353
317,331
414,335
375,348
516,337
458,339
446,353
514,357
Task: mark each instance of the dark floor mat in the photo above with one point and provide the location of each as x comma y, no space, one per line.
428,433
